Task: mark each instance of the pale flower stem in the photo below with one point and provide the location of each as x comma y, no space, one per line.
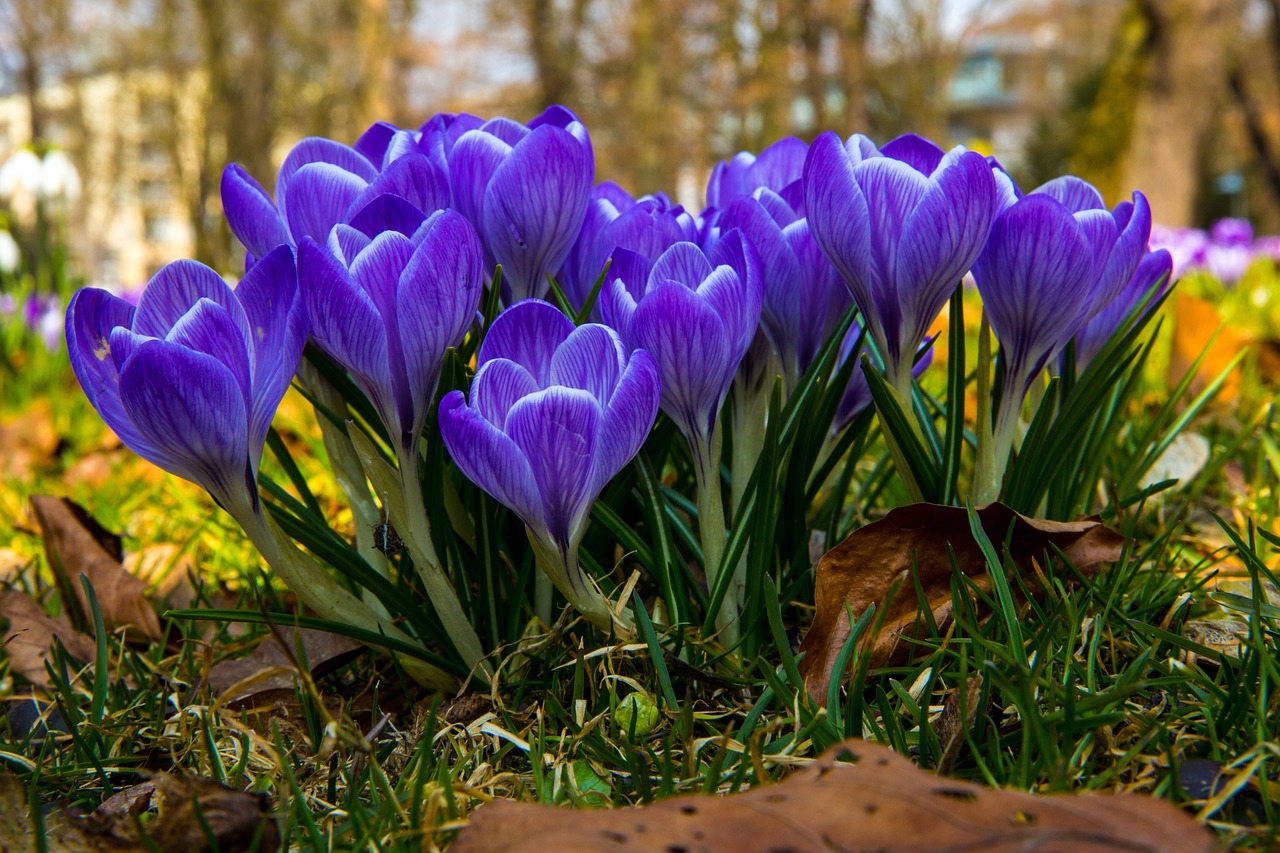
711,529
560,567
317,590
900,387
542,596
986,481
417,539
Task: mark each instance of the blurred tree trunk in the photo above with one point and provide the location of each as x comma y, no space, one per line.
555,43
1182,86
854,23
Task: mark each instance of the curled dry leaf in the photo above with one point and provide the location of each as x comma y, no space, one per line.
271,666
76,545
858,796
28,639
862,568
228,820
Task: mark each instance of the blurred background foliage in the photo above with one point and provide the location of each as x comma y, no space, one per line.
149,98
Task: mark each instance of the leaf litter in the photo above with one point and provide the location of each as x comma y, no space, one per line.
856,796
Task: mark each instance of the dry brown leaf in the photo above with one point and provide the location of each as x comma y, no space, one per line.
76,545
1195,323
880,802
234,819
167,570
956,721
30,441
28,641
862,568
270,668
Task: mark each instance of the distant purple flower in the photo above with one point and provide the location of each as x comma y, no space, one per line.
1185,245
387,308
696,314
190,379
383,143
804,297
1154,270
647,225
526,190
1232,232
323,183
555,412
901,229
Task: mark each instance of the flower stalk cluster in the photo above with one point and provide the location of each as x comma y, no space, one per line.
388,254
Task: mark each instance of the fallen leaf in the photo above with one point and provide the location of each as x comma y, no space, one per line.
1198,328
76,545
862,568
28,641
1182,460
228,820
956,721
880,801
167,570
270,668
30,441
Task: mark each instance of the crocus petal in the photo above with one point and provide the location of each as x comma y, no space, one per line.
372,144
91,316
250,212
778,165
558,429
592,358
683,262
534,207
490,459
189,407
321,196
345,242
386,212
690,344
628,416
497,385
1128,252
1073,193
476,156
208,328
1034,275
838,215
942,239
174,289
346,324
278,326
528,333
627,280
316,149
413,178
919,153
439,294
738,299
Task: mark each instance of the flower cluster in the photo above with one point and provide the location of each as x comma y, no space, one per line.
380,253
1225,251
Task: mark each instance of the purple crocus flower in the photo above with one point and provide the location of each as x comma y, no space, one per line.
190,379
384,142
323,183
696,313
804,297
555,412
776,167
647,225
526,190
1118,237
387,307
902,226
1154,271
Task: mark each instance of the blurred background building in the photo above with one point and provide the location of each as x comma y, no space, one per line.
148,99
